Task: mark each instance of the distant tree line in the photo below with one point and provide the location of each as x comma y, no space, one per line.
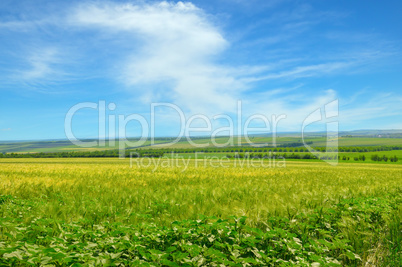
359,148
359,158
373,158
384,158
228,150
278,156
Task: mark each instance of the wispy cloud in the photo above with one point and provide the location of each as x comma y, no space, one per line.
41,65
305,71
376,106
40,69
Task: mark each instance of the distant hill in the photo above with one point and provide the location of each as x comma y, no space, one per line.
346,138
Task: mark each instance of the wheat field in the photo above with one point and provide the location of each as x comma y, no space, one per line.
113,191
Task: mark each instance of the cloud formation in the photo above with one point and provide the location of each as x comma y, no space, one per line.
175,60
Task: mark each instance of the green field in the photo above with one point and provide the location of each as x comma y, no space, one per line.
62,146
160,143
350,156
285,140
62,212
353,155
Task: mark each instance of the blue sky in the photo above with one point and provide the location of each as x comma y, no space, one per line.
277,57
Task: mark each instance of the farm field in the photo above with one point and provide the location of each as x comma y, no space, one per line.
283,140
60,146
362,141
62,212
161,143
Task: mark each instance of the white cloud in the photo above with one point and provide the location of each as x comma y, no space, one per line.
40,64
44,69
179,44
176,58
39,68
305,71
378,106
292,103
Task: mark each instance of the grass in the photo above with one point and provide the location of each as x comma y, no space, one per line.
56,209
